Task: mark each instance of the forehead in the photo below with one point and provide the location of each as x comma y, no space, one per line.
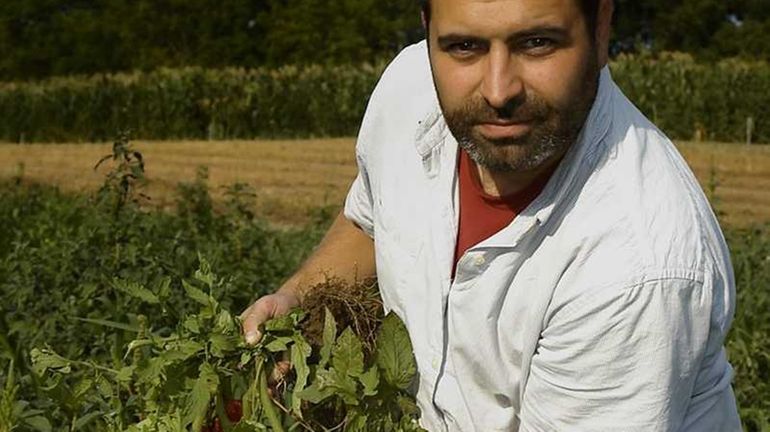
487,16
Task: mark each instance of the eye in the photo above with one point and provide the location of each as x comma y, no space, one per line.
539,45
463,48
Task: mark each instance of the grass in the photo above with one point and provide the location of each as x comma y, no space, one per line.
292,178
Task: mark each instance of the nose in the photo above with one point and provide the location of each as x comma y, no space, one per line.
501,84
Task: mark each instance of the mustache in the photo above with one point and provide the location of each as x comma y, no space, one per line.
479,111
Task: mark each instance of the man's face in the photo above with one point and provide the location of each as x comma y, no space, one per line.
515,78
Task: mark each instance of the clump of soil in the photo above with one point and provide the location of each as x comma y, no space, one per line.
355,305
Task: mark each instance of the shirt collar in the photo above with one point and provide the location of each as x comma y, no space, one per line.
433,133
582,154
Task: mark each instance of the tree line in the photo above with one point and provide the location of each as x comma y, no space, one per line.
41,38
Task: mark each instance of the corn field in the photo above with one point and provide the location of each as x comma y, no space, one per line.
725,101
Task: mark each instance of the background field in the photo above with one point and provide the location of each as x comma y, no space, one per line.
66,257
294,178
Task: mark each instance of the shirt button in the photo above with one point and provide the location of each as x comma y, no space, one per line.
480,260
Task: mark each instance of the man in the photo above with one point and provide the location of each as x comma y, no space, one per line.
554,260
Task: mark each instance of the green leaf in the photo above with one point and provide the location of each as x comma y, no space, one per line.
356,421
300,351
249,426
394,353
86,419
315,394
344,386
329,337
204,274
245,358
181,350
199,398
192,324
38,423
224,323
282,323
110,324
82,387
370,380
153,372
297,315
135,290
222,344
104,387
408,406
43,360
278,343
134,344
348,354
196,294
125,374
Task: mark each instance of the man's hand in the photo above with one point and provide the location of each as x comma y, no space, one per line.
345,252
264,309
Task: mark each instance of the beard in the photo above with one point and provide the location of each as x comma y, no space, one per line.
552,130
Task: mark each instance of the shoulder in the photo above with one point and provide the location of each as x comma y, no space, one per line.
403,97
642,217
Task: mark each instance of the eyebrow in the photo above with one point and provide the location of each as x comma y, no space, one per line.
552,31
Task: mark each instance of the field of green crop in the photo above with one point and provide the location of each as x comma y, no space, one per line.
688,100
114,317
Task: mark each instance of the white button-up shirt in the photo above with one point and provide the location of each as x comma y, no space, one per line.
602,307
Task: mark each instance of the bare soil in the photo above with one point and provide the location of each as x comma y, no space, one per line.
293,178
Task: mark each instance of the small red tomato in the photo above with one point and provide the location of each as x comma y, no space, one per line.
234,410
216,426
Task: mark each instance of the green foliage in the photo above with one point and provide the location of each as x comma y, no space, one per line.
113,322
690,100
71,269
186,377
40,38
337,32
685,98
43,38
748,344
190,103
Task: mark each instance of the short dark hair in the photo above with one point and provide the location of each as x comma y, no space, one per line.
590,9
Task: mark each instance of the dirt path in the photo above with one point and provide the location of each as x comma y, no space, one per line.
291,178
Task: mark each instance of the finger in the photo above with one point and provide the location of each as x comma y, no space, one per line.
279,372
252,318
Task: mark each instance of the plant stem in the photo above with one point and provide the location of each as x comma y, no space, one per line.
267,403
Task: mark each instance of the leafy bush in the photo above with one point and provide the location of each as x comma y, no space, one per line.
104,308
687,99
201,375
748,344
690,100
189,103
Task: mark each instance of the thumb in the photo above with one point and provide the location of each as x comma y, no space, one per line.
253,317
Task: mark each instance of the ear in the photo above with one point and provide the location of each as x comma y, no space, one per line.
603,30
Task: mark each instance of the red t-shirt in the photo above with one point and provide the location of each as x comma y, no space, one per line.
483,215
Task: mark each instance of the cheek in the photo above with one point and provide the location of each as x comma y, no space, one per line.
455,83
558,79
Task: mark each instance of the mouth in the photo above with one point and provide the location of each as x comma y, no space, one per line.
502,130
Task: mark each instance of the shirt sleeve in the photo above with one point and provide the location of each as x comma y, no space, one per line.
359,203
630,360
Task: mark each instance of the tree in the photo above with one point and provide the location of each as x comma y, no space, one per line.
341,31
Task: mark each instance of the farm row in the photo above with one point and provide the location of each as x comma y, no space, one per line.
717,102
293,179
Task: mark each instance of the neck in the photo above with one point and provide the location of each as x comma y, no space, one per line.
507,183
